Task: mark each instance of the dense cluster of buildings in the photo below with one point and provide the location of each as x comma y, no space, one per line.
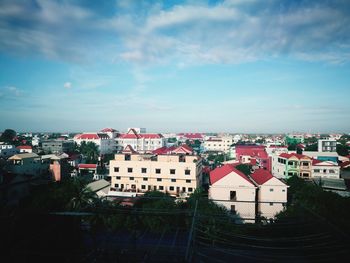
165,162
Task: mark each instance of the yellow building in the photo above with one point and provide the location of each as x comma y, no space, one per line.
174,170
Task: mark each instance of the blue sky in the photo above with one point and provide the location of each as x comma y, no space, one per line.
171,66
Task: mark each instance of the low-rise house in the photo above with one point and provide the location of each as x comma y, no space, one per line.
27,164
271,193
254,155
325,169
59,167
7,150
233,190
25,149
286,165
100,187
174,170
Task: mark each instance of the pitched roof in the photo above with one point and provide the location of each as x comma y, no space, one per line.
257,151
129,150
21,156
98,185
345,164
132,134
91,136
182,149
108,130
24,147
220,172
191,135
289,155
87,166
261,176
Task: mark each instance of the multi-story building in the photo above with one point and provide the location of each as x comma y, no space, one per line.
253,154
112,133
25,149
233,190
325,169
141,142
102,140
294,139
271,193
7,150
175,170
286,165
57,146
27,164
218,143
327,145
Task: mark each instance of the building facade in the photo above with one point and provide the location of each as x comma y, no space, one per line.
27,164
57,146
175,171
105,144
286,165
327,145
325,169
7,150
218,144
141,142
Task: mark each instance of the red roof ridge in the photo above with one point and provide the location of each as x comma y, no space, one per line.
220,172
261,176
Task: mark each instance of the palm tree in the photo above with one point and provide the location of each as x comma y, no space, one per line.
82,197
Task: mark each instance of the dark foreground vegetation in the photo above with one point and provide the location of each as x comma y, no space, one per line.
66,222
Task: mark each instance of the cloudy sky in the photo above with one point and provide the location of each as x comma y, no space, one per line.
231,66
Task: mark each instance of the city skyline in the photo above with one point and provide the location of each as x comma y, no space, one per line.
175,66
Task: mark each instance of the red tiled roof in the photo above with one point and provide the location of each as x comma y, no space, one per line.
108,130
191,135
289,155
220,172
87,166
27,147
151,135
345,164
128,149
257,151
277,146
91,136
315,161
184,148
261,176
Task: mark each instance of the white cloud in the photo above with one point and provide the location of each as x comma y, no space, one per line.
67,85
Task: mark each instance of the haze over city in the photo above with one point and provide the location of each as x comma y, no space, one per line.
209,66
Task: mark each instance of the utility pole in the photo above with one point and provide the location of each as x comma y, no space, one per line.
190,237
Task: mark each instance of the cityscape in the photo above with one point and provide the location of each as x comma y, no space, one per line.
174,131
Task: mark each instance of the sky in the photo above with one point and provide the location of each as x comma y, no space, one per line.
239,66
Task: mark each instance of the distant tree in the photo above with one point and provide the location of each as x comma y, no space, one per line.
299,150
311,147
8,136
172,140
342,150
292,147
244,168
90,151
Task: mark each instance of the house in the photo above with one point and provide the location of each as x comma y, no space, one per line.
254,155
27,164
59,167
286,165
271,193
325,169
105,144
25,149
7,150
100,187
57,146
141,142
233,190
218,143
174,170
182,137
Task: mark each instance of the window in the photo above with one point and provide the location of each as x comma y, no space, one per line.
331,171
173,180
129,170
116,185
190,189
187,172
131,178
317,170
145,178
172,171
233,195
117,177
283,190
171,188
324,171
143,187
188,181
161,187
127,157
116,169
159,179
271,189
271,204
122,186
157,171
143,170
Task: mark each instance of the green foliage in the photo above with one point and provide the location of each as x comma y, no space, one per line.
342,150
311,147
244,168
90,151
8,136
172,140
292,147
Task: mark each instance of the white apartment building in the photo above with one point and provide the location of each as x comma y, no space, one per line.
233,190
272,193
325,169
174,170
102,140
7,150
327,145
218,144
141,142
